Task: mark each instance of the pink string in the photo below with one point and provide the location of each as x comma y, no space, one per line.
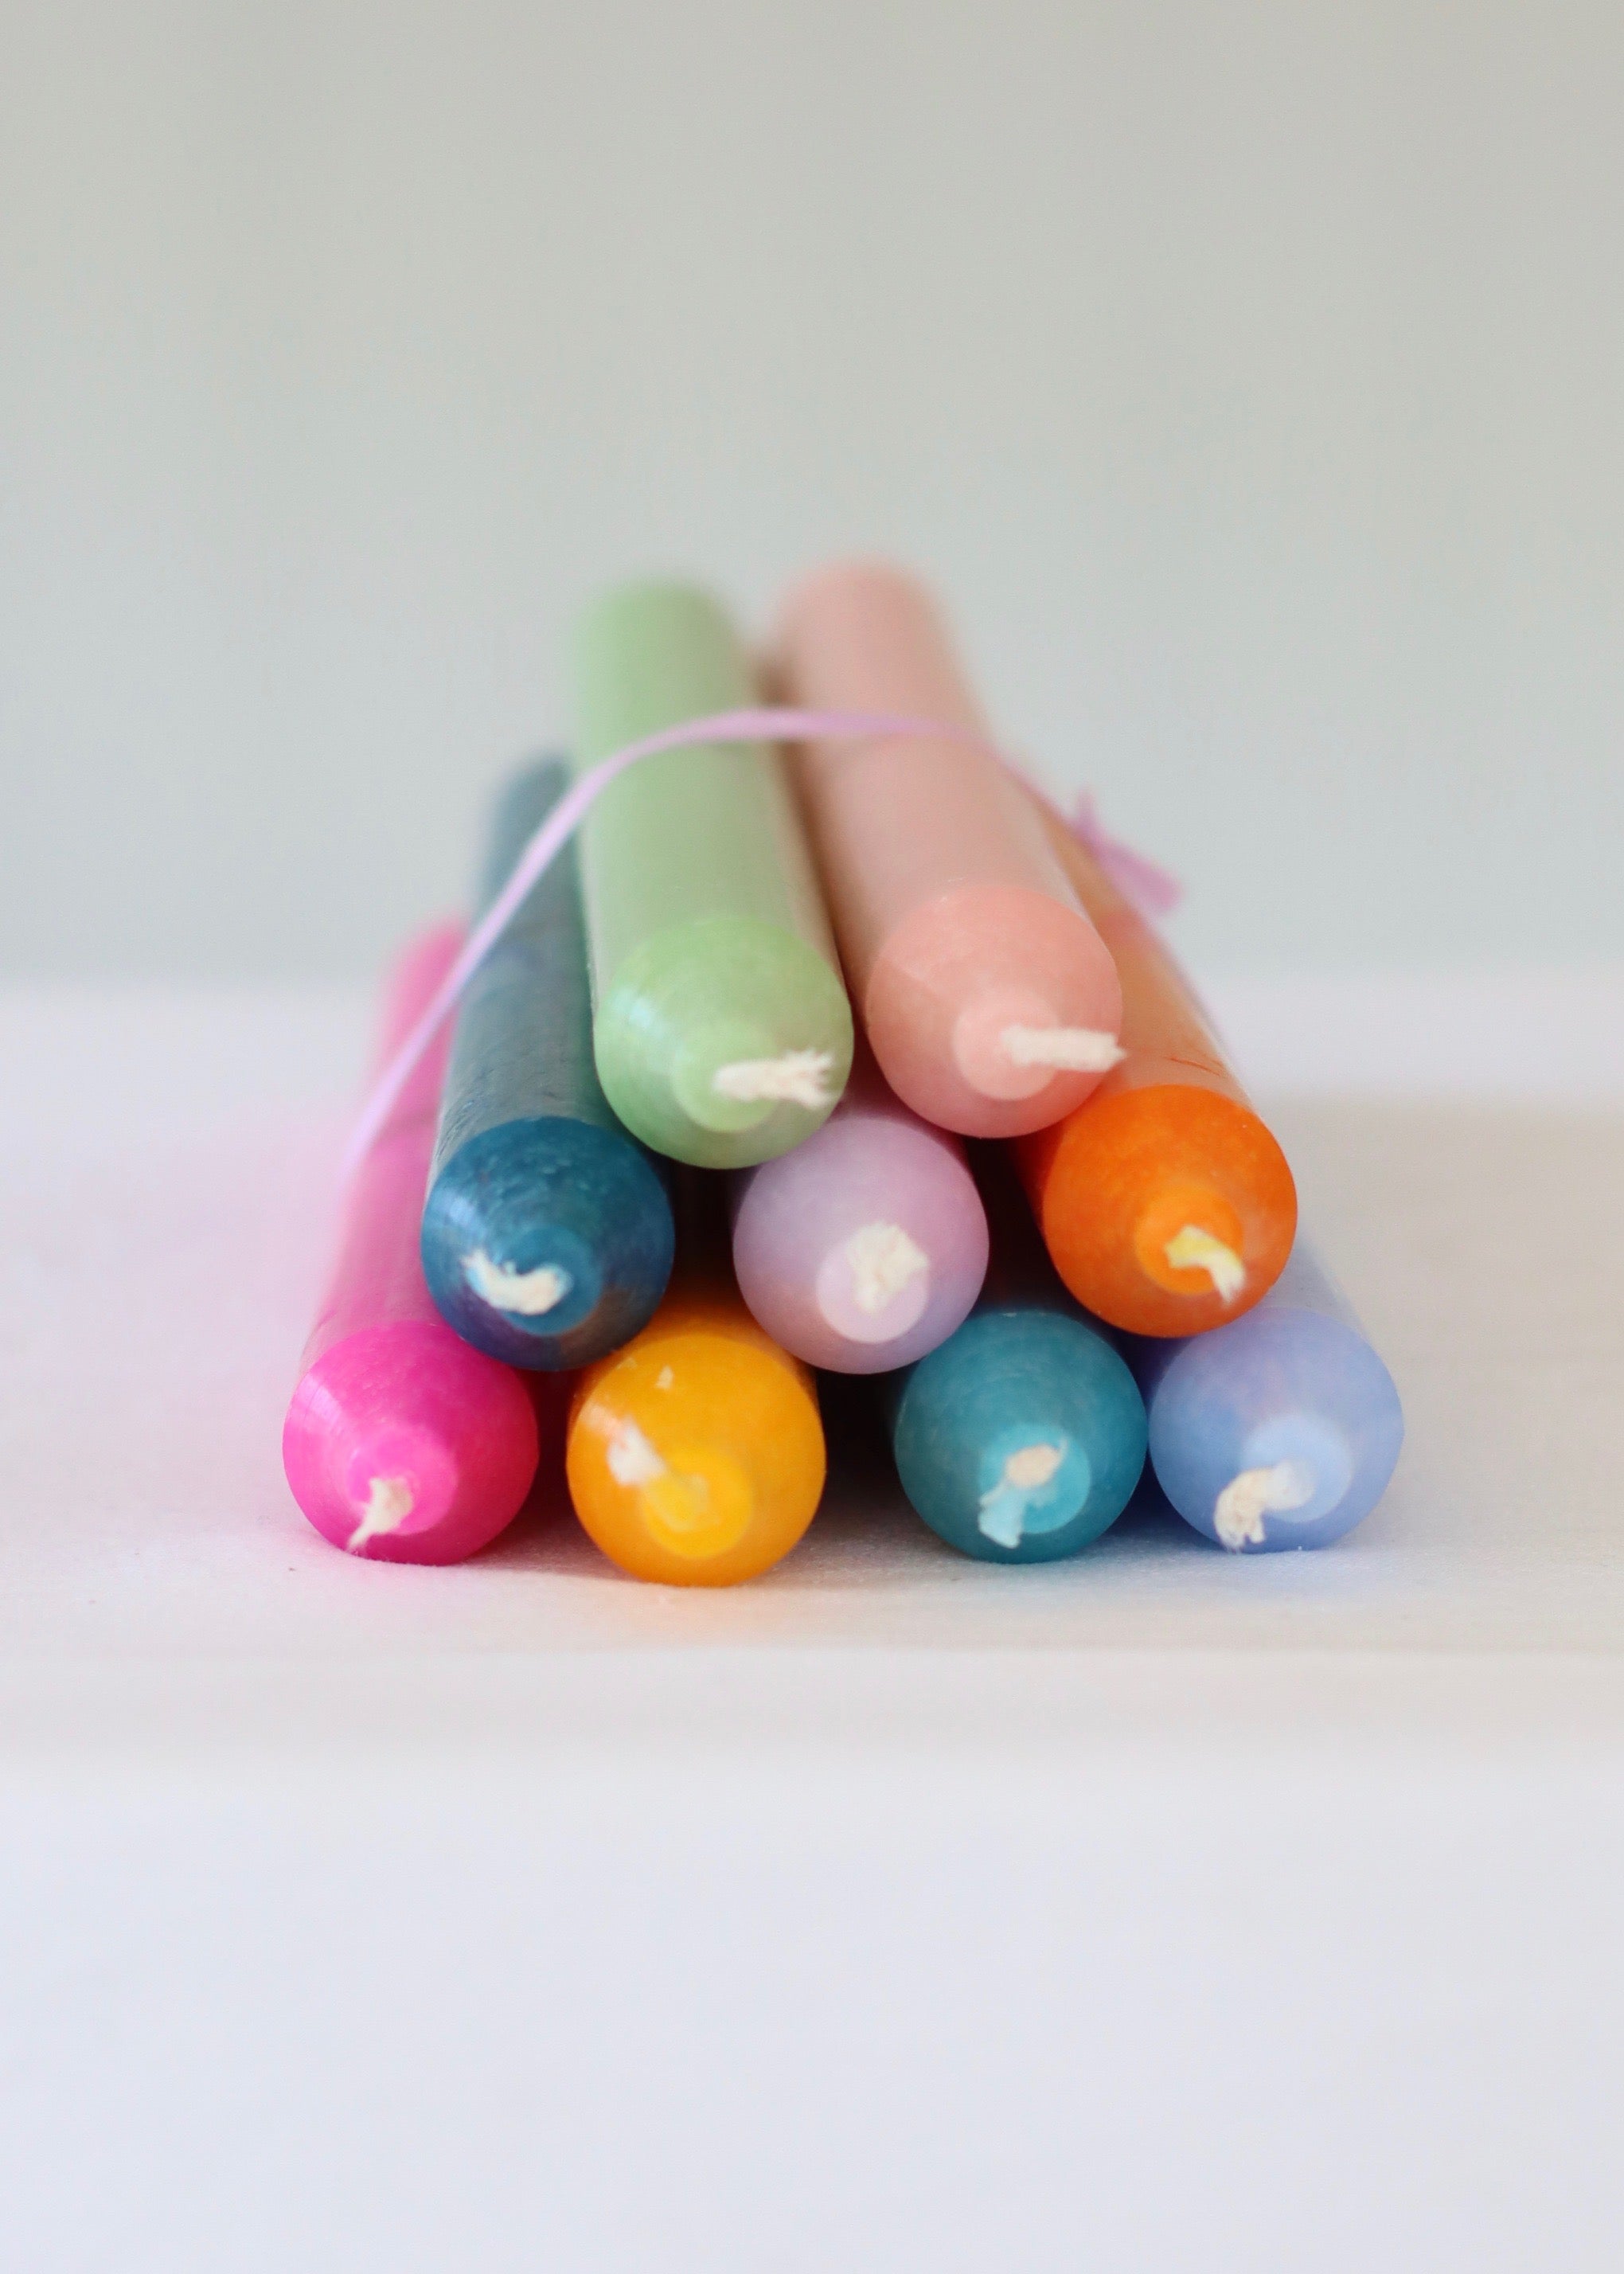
765,723
1154,892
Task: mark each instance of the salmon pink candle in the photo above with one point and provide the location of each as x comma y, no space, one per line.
1166,1203
402,1443
988,998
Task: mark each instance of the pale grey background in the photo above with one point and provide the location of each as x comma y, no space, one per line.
1250,378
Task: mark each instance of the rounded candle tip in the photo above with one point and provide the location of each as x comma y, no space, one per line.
404,1445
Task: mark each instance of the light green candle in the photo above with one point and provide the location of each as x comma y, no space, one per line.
720,1025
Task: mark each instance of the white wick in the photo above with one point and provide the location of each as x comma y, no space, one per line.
798,1078
533,1294
882,1259
1004,1509
1241,1507
1191,1249
632,1460
1070,1050
389,1501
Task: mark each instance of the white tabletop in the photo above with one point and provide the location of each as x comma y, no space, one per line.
1155,1907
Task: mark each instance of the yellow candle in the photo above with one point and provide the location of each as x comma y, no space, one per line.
695,1454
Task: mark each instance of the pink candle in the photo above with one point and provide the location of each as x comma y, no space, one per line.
988,998
403,1442
867,1246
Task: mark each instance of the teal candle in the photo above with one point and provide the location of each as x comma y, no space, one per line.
547,1235
721,1028
1022,1438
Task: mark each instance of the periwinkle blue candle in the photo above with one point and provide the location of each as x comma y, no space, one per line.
1020,1439
547,1236
1279,1430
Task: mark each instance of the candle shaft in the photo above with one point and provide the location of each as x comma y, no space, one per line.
547,1232
866,1246
1022,1437
695,1455
400,1443
1279,1430
1165,1201
722,1029
988,996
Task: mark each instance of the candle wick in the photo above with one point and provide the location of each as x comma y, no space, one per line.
1241,1507
883,1260
389,1501
1069,1050
1193,1248
1002,1511
533,1294
798,1078
633,1462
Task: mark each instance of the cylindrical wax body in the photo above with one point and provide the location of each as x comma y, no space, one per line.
1022,1438
547,1233
1166,1203
722,1029
695,1455
1279,1430
988,996
866,1246
402,1443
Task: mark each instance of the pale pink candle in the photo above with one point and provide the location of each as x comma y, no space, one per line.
403,1442
867,1246
988,998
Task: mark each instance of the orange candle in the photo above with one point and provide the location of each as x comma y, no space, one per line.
1165,1202
988,996
695,1454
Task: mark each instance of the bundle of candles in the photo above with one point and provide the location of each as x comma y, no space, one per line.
836,1051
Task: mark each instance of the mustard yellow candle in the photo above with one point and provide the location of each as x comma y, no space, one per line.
695,1454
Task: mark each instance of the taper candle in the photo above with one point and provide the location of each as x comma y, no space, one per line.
988,996
1279,1430
695,1455
1022,1437
547,1233
723,1033
1166,1203
402,1443
866,1246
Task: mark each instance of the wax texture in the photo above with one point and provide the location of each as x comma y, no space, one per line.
547,1235
722,1029
1021,1439
696,1456
1165,1199
866,1246
1279,1430
987,995
402,1443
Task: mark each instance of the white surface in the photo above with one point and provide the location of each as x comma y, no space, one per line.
1248,376
1158,1909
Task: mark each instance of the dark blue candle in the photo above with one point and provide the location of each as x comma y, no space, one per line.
547,1234
1022,1437
1279,1430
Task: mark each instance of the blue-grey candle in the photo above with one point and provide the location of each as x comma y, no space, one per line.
1279,1430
